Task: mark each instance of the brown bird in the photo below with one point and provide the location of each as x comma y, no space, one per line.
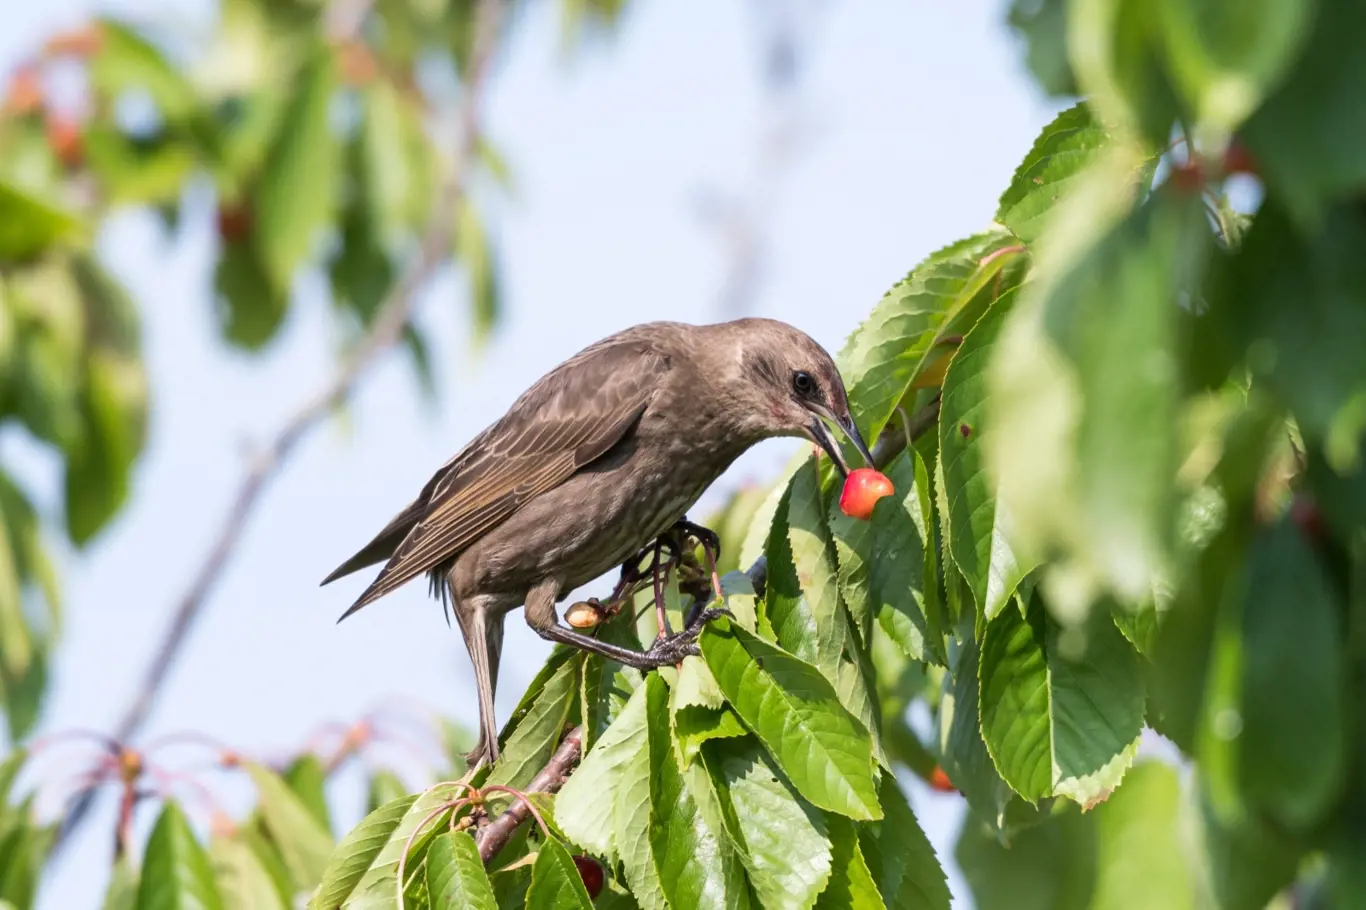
602,456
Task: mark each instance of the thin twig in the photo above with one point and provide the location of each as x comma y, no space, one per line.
495,835
384,333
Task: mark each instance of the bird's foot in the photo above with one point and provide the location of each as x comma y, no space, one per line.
709,539
670,649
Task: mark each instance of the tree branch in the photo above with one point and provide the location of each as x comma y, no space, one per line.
384,333
890,443
495,835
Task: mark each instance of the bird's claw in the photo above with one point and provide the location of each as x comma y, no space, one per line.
670,649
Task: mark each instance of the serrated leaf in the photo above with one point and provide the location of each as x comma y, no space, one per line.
900,856
896,561
555,881
294,198
377,885
696,725
304,844
1062,151
176,872
963,754
783,840
792,616
815,570
358,850
977,526
696,862
1083,394
851,884
631,820
1061,709
588,802
537,733
796,713
884,355
455,874
695,686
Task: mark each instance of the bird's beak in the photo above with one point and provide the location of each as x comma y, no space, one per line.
820,432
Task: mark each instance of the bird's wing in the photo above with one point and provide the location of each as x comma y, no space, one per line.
570,418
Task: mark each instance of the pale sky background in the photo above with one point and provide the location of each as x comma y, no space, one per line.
922,110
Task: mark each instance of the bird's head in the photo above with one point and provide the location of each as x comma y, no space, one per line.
790,386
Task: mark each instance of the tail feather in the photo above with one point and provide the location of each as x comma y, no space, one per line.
383,545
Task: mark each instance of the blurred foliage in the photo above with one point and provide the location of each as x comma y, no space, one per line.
1139,511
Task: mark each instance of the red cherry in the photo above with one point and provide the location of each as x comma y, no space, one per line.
940,781
1238,160
862,489
234,220
1305,513
80,42
64,138
1187,178
590,870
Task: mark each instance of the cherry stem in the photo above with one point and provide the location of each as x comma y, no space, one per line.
451,805
526,800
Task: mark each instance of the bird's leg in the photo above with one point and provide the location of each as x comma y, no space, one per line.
710,542
483,635
661,574
666,651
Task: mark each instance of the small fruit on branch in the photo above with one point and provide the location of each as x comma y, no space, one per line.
939,780
862,489
583,615
590,870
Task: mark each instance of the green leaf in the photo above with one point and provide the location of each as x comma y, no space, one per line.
1306,137
792,617
475,251
795,712
1061,709
1225,54
944,293
590,799
122,891
1141,863
294,199
1306,353
1083,394
555,880
455,874
243,879
896,561
304,844
1049,866
782,839
631,818
963,754
176,872
249,309
393,169
1042,24
307,777
900,856
697,864
358,850
695,725
385,787
851,884
1115,49
377,885
1062,151
816,572
28,226
1280,710
695,686
127,61
537,733
977,526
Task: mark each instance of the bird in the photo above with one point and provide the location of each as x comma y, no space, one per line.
597,459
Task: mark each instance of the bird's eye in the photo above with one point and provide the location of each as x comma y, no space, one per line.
802,383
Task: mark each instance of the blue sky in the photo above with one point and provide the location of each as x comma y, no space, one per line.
919,112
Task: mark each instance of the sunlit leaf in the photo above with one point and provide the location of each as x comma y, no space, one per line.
176,872
589,800
358,850
455,874
303,842
851,884
899,855
795,712
555,881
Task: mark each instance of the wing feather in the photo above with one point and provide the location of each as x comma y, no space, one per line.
569,419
